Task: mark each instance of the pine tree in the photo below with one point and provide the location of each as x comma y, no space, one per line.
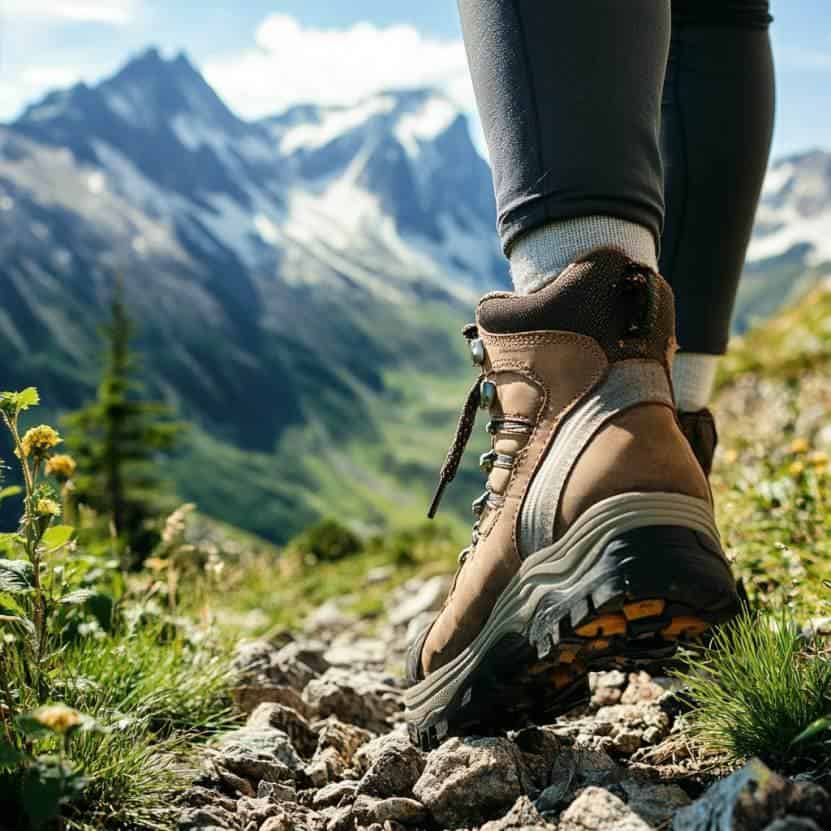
117,439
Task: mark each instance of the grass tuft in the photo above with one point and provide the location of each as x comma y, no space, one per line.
757,691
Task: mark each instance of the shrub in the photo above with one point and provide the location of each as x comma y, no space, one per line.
328,540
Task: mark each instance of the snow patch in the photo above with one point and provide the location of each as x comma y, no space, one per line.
424,125
334,123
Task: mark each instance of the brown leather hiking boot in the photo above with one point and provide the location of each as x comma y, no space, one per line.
595,544
700,429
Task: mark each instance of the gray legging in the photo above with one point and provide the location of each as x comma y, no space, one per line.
619,107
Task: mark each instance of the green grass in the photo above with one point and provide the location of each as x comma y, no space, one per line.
758,688
280,592
158,692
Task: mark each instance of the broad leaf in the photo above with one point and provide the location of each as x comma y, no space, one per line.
11,490
10,756
15,576
813,729
57,536
8,605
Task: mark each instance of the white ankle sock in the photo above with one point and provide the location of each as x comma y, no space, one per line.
539,256
693,374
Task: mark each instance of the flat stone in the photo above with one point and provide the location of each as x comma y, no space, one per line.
257,753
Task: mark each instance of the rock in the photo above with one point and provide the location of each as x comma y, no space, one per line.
752,798
303,738
367,810
363,698
346,739
395,766
522,816
358,653
328,617
248,697
595,809
293,817
417,625
641,688
379,574
326,766
311,653
257,753
469,781
574,769
620,728
654,803
606,687
276,791
253,658
427,597
793,824
235,783
251,809
335,793
207,819
198,797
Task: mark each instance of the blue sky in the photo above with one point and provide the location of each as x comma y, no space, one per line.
263,55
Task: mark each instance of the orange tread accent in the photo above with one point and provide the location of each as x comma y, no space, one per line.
562,677
596,645
644,608
603,625
685,625
567,656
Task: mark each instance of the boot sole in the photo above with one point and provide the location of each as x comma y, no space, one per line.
635,576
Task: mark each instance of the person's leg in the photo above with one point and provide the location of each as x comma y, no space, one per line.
569,96
594,542
716,131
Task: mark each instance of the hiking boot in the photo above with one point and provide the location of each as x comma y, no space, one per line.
594,544
700,429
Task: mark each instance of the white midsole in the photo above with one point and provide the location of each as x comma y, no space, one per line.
558,565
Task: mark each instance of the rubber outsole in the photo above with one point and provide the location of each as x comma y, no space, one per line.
651,589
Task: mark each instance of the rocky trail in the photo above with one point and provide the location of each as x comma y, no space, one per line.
325,748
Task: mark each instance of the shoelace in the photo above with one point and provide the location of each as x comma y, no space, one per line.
464,429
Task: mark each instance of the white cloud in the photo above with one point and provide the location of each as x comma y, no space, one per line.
290,63
114,12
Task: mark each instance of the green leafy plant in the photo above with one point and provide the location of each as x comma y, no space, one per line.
763,689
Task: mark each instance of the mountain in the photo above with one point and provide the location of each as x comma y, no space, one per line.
791,246
299,281
296,280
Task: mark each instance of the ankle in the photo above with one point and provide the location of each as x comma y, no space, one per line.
693,377
539,256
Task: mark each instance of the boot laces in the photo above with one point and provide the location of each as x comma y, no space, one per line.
464,429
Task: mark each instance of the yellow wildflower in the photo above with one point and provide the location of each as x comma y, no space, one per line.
731,456
799,446
48,507
818,458
796,468
38,440
58,718
61,466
